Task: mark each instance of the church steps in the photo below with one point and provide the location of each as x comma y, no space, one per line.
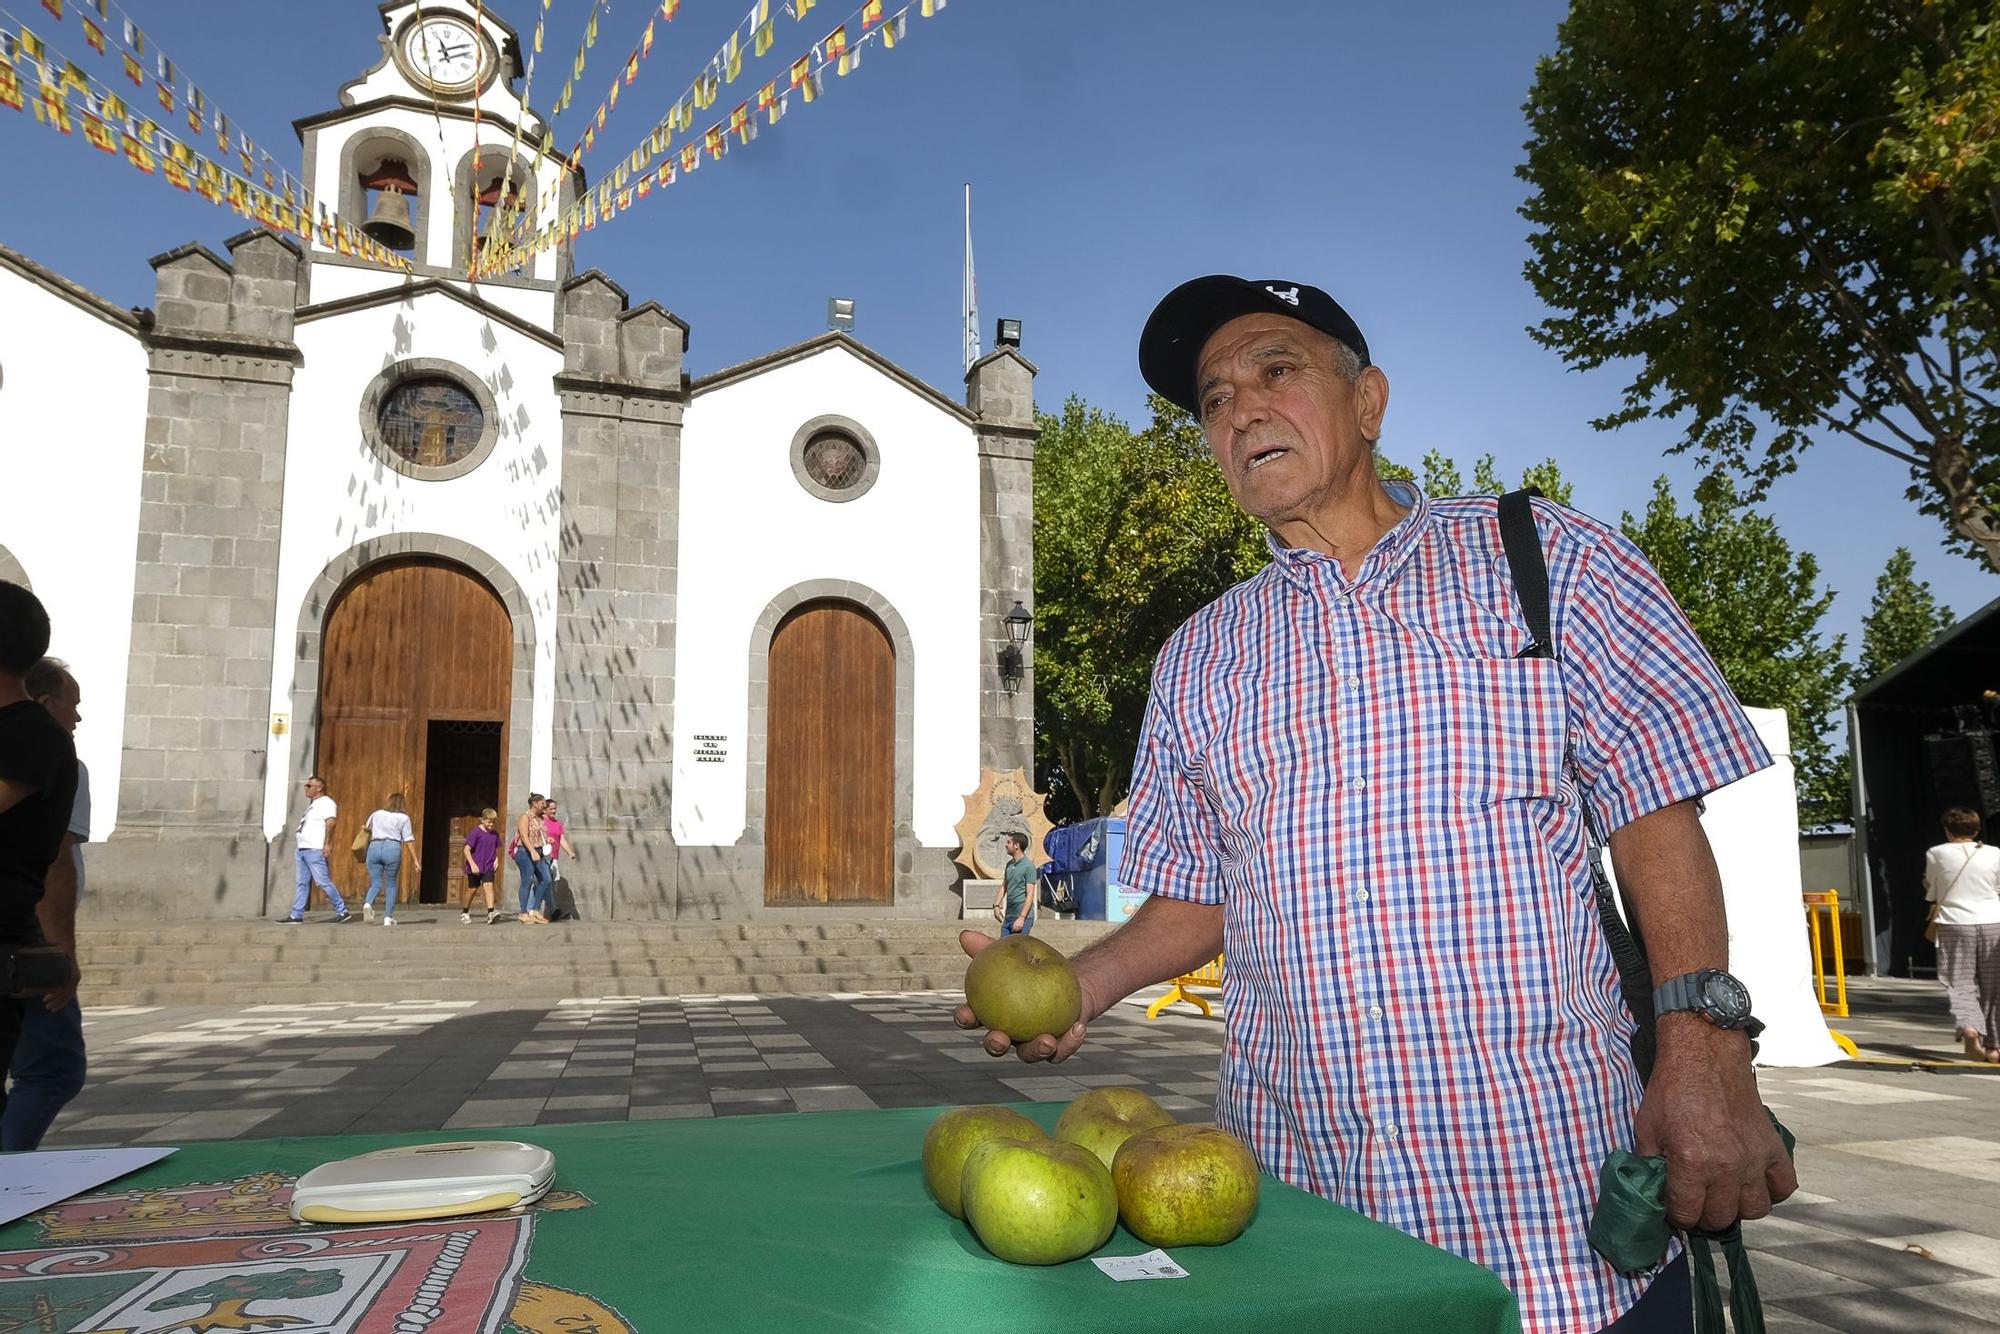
263,963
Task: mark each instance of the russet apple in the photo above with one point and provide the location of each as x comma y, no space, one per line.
954,1134
1024,987
1105,1118
1038,1201
1186,1185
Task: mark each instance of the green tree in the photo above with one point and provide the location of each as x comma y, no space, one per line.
1134,532
1904,617
1440,476
1786,216
1757,607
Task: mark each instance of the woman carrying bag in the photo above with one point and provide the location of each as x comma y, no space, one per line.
389,832
1962,881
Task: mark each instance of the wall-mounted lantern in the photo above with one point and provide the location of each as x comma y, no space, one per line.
1013,665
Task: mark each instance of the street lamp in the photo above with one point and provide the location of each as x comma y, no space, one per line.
1013,665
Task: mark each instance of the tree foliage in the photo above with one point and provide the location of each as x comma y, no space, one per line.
1134,532
1904,617
1440,476
1757,607
1786,214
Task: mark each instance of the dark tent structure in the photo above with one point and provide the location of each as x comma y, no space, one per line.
1924,735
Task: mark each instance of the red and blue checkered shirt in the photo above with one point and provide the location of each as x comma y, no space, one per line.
1424,1021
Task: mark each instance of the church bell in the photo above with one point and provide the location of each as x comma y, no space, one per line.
389,221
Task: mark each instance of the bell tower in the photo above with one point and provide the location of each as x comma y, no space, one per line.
432,152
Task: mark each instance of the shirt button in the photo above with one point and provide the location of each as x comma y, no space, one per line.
1360,785
1361,896
1354,683
1391,1131
1374,1012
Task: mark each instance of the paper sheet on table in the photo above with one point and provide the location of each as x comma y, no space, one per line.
33,1181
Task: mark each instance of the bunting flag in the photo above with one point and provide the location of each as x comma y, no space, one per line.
93,36
871,13
835,44
801,8
133,71
10,89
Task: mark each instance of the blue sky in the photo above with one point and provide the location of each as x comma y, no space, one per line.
1113,148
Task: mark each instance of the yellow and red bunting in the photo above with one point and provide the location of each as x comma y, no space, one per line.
10,89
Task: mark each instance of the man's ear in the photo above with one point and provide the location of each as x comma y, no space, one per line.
1371,401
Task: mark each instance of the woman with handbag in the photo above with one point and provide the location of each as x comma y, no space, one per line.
1962,882
530,859
388,832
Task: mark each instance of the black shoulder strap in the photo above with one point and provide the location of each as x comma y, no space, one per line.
1530,569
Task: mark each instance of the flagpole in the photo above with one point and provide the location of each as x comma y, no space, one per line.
969,290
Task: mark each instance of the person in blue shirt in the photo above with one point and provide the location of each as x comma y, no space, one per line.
1017,912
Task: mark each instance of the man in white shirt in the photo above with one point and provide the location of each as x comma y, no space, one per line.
315,831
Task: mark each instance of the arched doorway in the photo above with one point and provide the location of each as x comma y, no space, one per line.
830,804
415,687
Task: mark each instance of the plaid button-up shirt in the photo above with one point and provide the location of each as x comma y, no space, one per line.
1424,1021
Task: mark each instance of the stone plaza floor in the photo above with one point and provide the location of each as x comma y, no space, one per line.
1896,1226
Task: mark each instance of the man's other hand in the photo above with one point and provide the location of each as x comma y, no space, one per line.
1701,1111
1047,1047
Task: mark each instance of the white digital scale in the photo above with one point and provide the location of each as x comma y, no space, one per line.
425,1181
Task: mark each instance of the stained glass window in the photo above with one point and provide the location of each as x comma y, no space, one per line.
431,421
835,461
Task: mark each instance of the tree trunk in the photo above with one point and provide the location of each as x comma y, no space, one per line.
1971,517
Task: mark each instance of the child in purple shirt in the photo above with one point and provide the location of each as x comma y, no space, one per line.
482,857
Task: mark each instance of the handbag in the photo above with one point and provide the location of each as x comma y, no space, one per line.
1645,1178
361,841
1930,918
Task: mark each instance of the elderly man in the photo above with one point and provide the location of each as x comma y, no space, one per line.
1360,774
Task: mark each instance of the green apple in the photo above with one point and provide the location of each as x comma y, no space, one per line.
1024,987
1038,1201
1105,1118
954,1135
1185,1185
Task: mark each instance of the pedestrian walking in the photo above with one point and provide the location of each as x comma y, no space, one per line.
558,849
1015,904
49,1062
389,832
482,864
531,838
314,831
1962,882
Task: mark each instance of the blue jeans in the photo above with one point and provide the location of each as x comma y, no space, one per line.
48,1071
312,871
538,887
1007,925
385,863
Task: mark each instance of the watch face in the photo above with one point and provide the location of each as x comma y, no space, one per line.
444,53
1725,995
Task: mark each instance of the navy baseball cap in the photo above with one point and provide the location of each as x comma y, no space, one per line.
1181,324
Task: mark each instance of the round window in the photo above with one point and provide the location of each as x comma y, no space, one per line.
835,461
431,421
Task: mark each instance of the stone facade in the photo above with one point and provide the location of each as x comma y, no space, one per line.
191,800
623,392
1000,389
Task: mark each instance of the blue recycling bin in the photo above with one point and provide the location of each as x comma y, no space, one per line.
1099,849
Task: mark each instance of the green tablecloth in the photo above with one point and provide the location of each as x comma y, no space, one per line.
820,1222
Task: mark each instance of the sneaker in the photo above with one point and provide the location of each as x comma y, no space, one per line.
465,916
492,916
343,919
294,921
388,921
367,912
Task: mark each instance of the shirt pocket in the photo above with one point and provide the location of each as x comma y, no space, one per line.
1488,730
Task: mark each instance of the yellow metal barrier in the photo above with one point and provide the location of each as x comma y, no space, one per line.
1208,975
1837,1007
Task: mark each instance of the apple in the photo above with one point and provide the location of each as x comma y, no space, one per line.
1038,1201
1185,1185
954,1134
1105,1118
1024,987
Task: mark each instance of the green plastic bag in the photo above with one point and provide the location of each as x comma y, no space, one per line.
1629,1229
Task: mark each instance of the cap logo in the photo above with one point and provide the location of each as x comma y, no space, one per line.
1290,296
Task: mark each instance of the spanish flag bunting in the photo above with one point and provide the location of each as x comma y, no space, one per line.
624,200
645,185
590,32
73,77
94,35
666,175
668,8
739,118
54,7
600,116
631,70
166,98
871,13
589,138
134,73
646,42
138,155
690,156
766,36
800,69
836,42
114,109
712,141
10,89
100,138
801,8
177,174
767,95
51,109
612,101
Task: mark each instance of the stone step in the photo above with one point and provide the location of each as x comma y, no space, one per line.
389,992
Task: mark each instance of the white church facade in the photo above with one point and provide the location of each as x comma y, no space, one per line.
468,540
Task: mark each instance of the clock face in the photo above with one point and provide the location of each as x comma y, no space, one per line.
445,54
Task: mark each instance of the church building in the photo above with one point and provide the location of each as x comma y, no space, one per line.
467,540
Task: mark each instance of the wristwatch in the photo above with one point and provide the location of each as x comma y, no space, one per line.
1714,995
